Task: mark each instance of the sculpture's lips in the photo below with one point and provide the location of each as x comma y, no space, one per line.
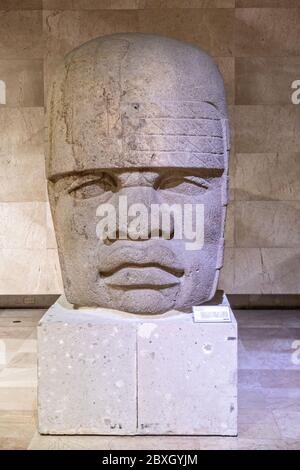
148,254
147,276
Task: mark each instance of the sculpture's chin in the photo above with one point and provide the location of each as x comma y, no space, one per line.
145,301
148,301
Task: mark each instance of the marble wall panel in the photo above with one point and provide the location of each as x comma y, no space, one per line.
23,271
24,82
23,225
51,240
267,224
212,29
281,270
133,4
21,34
90,4
265,129
53,273
261,271
264,32
22,167
21,4
229,225
265,80
65,30
270,176
227,68
226,279
267,3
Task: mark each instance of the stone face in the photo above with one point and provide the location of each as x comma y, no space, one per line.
106,372
256,80
117,129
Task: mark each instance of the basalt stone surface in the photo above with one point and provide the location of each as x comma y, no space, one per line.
145,117
102,371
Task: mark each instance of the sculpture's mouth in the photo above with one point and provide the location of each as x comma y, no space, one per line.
142,276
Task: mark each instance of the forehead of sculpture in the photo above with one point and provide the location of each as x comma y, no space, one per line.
133,100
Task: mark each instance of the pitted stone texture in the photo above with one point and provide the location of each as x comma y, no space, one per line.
187,374
86,373
108,372
142,117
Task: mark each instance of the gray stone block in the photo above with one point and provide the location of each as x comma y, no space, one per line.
86,372
107,372
187,377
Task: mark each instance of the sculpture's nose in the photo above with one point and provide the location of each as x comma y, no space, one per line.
144,195
138,222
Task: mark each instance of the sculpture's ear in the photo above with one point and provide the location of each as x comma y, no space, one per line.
226,140
226,132
51,195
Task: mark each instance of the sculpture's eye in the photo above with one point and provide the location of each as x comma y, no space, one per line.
189,185
89,186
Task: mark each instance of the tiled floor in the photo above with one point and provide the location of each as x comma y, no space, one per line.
269,389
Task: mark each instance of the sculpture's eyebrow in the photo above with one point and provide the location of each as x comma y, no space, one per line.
117,172
197,180
195,172
88,174
82,179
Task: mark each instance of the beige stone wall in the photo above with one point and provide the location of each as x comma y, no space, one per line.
256,45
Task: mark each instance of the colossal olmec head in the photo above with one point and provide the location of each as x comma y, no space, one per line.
142,119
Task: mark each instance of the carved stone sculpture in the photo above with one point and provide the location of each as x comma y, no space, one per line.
141,119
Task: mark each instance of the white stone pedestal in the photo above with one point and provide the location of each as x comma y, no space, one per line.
108,372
